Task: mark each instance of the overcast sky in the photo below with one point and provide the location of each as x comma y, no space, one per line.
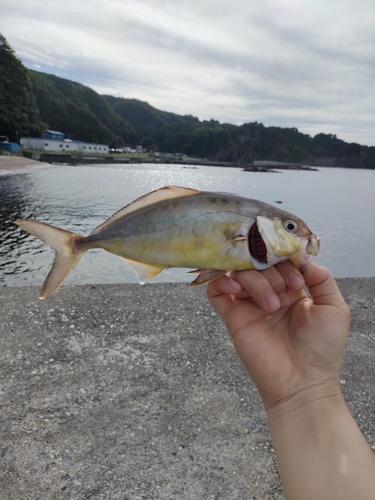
308,64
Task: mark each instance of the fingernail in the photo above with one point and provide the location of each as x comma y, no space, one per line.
295,281
234,286
272,302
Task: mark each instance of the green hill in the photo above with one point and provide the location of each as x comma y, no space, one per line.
78,111
19,114
145,119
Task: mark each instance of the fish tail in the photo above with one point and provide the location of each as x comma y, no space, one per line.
67,251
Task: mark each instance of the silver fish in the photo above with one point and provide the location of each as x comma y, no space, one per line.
212,233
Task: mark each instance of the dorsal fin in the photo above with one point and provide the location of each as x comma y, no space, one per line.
164,193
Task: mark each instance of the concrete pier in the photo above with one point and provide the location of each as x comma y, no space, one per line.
135,392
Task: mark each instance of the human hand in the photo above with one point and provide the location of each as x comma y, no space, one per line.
290,344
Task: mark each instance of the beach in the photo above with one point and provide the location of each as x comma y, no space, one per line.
17,164
131,392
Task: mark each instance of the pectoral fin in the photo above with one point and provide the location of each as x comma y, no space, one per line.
206,275
143,271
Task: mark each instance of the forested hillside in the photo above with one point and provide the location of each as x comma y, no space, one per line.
145,119
78,111
225,142
18,112
31,101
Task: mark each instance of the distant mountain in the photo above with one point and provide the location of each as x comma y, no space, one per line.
32,101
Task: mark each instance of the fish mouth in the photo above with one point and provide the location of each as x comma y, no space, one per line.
310,246
257,247
313,245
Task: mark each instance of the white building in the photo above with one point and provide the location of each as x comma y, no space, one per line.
63,145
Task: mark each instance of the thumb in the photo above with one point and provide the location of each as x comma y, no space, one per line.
323,287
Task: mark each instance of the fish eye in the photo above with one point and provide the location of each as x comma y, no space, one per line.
290,225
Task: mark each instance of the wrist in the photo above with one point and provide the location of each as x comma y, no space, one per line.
319,448
307,402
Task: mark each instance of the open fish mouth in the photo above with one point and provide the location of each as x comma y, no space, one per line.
257,247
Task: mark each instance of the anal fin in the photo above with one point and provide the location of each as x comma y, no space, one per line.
143,271
206,275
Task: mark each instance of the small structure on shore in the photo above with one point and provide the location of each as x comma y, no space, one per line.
53,140
12,147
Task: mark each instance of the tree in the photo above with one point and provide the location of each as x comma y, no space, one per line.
18,111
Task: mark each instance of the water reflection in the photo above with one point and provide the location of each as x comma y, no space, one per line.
13,205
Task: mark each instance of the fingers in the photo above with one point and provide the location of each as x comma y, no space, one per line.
225,285
274,288
248,296
235,311
267,289
220,293
263,289
270,288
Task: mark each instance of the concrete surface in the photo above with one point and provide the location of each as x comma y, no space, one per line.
131,392
17,164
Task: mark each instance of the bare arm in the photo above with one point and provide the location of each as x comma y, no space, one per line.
292,347
320,451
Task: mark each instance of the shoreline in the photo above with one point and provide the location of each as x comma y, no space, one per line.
18,164
256,166
113,390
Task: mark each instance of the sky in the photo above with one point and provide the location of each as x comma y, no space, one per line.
308,64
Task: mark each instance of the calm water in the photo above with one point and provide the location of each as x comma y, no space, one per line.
338,204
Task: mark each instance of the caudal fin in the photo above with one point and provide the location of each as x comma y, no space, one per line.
66,250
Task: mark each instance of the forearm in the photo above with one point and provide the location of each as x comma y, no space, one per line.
320,451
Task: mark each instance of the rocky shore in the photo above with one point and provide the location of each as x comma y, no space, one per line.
135,392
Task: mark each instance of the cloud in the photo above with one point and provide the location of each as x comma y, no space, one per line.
298,63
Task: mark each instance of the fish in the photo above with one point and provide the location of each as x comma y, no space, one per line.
211,233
